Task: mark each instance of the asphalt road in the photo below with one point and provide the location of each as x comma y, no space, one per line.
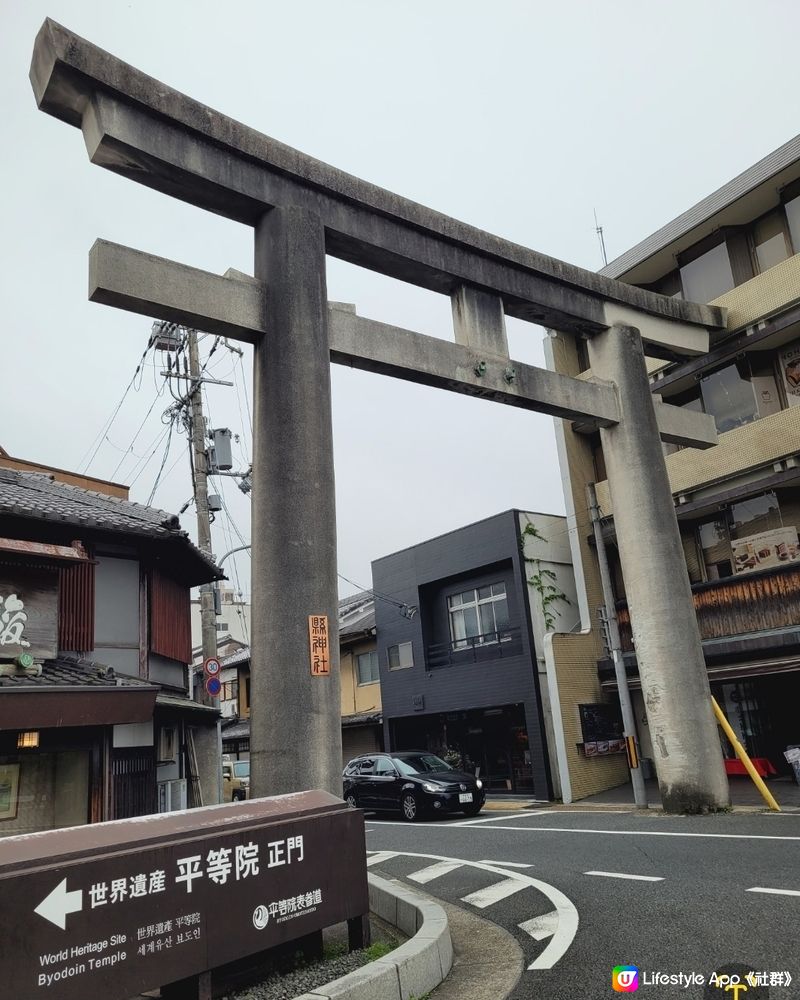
583,892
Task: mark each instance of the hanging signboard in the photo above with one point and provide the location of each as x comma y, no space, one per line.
318,644
114,909
790,372
28,612
765,550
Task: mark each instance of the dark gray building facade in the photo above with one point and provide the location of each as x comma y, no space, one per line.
459,674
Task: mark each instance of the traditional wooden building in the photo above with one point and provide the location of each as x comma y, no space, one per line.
96,721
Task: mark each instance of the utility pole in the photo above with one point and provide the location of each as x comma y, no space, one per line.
628,719
208,617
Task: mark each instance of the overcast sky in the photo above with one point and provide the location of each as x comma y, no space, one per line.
518,117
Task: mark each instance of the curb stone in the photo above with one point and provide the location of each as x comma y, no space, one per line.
413,969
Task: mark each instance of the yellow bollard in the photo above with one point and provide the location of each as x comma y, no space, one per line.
741,753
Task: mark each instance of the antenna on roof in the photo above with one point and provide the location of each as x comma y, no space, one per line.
599,230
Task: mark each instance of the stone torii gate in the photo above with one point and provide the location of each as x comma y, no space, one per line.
300,210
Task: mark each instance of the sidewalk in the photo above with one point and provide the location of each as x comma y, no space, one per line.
744,796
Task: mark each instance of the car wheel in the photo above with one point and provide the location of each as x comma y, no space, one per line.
238,796
473,810
351,800
409,807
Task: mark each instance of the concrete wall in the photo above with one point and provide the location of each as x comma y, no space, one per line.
759,443
576,654
763,295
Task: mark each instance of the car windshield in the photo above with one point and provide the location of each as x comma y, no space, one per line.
241,769
420,764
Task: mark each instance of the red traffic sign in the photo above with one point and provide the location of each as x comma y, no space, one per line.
212,666
213,686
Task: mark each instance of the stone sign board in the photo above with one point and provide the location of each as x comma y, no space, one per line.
115,909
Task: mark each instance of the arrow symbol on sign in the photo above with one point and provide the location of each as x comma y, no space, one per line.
55,906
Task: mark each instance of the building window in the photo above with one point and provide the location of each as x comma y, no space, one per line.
478,616
401,656
367,665
716,549
729,397
720,539
793,218
770,241
708,276
230,691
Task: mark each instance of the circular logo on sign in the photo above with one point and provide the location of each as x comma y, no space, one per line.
213,686
260,917
212,666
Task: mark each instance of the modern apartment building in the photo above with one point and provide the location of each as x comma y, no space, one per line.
737,504
460,624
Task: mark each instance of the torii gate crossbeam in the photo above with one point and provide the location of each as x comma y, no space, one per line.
302,210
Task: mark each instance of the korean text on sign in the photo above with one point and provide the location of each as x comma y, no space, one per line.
318,645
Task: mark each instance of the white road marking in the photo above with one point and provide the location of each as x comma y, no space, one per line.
775,892
641,833
504,864
567,924
434,871
541,927
379,857
635,878
493,819
494,893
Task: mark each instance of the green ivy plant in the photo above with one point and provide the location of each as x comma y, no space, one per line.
542,580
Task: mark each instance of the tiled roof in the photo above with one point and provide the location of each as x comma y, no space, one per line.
237,730
68,671
356,613
240,656
40,497
363,719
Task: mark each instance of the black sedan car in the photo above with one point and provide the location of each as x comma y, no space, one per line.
413,782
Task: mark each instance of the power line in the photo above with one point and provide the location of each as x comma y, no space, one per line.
406,610
108,423
163,463
129,449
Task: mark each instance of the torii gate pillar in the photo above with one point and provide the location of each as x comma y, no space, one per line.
691,775
293,514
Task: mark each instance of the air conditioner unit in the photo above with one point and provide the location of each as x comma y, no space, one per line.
172,795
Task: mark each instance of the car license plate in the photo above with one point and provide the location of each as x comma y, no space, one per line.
465,797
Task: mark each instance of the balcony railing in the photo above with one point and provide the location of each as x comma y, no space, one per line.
497,645
737,605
